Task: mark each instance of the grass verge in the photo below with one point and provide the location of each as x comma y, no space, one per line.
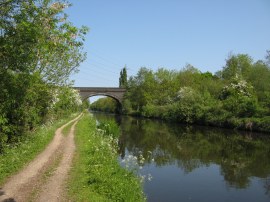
97,175
17,156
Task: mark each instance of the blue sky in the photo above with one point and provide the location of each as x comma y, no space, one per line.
167,33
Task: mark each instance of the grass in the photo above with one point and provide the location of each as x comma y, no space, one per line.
17,156
109,128
66,129
97,175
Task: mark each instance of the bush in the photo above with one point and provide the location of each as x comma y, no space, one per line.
238,98
241,106
261,124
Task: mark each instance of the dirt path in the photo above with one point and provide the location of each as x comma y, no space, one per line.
44,177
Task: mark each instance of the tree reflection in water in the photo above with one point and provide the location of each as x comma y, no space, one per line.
240,156
267,185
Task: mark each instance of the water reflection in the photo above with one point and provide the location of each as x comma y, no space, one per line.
239,157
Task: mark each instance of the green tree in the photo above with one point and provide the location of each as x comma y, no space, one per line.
165,86
240,65
39,49
105,104
123,78
140,88
259,77
36,36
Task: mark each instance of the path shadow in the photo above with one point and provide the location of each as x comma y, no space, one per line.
1,192
8,199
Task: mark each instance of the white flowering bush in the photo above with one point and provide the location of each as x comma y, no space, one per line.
188,105
238,98
75,96
237,87
64,100
54,98
185,93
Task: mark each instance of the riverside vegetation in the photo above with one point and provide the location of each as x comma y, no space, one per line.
39,50
238,96
98,175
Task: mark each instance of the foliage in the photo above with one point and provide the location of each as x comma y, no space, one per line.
259,79
126,106
240,90
105,104
97,175
238,97
39,49
109,128
237,65
36,36
65,100
86,104
190,96
123,78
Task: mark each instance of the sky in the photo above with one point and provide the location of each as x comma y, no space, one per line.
166,34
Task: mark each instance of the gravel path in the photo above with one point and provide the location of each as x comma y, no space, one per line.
43,179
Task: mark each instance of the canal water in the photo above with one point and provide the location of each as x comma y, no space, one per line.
188,163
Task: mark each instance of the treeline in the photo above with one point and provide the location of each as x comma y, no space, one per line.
105,104
39,49
238,96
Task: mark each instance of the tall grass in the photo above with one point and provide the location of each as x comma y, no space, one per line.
97,175
109,128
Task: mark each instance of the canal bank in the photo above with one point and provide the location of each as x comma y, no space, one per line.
96,174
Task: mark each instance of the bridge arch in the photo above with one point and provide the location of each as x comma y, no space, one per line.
104,94
115,93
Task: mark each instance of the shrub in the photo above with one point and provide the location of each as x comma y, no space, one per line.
239,99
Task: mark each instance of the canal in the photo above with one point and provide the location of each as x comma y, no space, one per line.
188,163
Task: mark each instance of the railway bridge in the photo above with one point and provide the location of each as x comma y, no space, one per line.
115,93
